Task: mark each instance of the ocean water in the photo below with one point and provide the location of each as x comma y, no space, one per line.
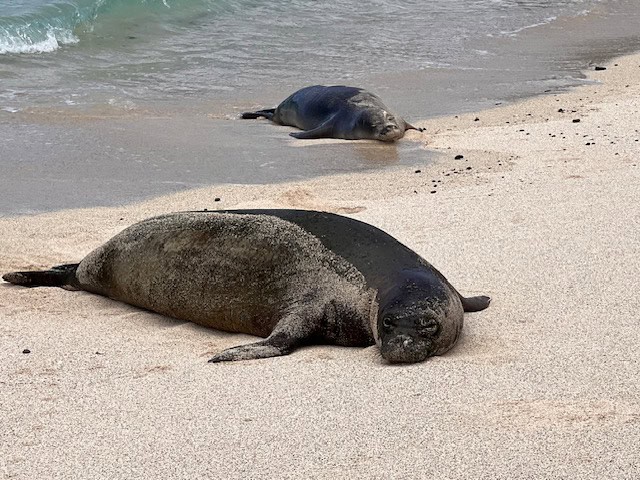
107,102
130,52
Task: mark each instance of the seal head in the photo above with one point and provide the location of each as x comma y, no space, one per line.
417,318
379,125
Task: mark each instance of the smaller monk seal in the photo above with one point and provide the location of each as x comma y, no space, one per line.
296,277
350,113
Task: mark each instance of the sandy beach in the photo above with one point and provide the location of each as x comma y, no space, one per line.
541,213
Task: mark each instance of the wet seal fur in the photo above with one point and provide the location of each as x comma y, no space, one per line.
296,277
350,113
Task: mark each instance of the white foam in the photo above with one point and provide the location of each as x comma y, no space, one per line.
512,33
50,44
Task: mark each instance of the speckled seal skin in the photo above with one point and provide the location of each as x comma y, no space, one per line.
295,277
350,113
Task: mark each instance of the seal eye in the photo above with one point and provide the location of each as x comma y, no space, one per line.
386,322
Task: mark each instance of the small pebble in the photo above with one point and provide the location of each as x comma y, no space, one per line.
476,119
601,68
468,168
576,120
561,110
459,157
433,191
418,171
26,350
217,199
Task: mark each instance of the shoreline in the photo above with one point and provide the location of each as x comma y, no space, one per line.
542,383
119,153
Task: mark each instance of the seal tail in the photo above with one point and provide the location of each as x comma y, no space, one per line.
268,114
475,304
58,276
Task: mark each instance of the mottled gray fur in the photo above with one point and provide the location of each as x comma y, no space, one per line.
226,271
295,277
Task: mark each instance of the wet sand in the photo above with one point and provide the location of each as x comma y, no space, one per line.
540,213
124,149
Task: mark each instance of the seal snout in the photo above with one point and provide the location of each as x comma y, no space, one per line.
404,348
391,131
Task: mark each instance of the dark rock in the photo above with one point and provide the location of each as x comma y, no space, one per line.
217,199
601,68
26,350
458,157
576,120
418,171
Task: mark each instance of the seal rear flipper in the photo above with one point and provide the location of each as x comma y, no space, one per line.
267,113
290,332
58,276
323,131
475,304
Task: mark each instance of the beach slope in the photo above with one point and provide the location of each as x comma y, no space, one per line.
541,213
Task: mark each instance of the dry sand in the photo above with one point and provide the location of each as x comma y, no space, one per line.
541,213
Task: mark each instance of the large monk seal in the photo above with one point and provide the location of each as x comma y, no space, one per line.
336,112
295,277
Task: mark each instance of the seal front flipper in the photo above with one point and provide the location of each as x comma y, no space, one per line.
291,332
323,131
267,113
408,126
475,304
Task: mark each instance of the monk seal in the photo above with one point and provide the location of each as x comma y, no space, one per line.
336,112
296,277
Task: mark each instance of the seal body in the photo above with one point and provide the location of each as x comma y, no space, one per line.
295,277
336,112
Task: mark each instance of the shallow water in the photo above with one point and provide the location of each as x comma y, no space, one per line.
111,101
128,52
